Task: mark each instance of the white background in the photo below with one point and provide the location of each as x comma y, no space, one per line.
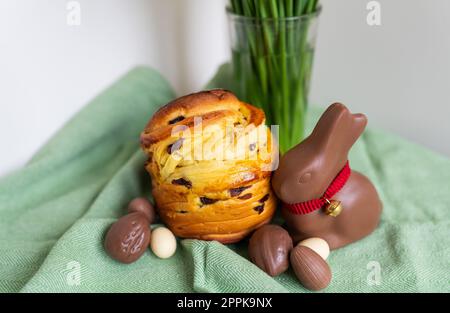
397,73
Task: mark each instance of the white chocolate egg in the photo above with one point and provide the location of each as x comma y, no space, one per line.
318,245
163,242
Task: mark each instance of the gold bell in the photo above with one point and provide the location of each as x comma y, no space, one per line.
333,207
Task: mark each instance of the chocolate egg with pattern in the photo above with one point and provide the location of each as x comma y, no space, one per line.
310,268
128,238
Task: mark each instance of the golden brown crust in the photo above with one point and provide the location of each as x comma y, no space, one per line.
210,199
211,105
192,103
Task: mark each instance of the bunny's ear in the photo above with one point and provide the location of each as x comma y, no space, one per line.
337,130
359,124
330,124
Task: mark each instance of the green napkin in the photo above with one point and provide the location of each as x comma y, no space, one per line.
55,211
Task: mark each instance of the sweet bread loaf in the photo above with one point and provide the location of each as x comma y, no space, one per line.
210,181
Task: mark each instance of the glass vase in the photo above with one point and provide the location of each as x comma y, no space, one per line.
272,62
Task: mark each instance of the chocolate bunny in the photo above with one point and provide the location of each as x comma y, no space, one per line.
317,167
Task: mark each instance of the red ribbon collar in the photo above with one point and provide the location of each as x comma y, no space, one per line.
312,205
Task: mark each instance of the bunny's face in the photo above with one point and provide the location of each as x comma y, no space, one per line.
299,176
306,170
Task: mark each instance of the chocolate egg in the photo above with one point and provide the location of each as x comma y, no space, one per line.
318,245
163,243
269,249
142,205
128,238
310,268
